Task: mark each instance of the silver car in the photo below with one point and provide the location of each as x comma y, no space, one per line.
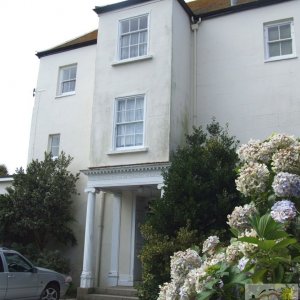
19,279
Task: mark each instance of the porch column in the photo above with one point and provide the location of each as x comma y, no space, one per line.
113,275
87,276
161,186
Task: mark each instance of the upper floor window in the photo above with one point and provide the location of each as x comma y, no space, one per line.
54,140
133,37
129,122
279,40
67,80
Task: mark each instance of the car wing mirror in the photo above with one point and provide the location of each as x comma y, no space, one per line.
33,270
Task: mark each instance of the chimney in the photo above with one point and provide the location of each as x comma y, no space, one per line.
233,2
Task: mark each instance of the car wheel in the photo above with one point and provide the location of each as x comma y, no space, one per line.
51,292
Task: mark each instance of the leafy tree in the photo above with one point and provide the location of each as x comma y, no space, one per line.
3,170
199,193
37,208
200,183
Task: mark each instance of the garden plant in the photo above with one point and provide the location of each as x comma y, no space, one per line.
264,247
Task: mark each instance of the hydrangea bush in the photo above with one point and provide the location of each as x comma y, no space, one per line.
264,248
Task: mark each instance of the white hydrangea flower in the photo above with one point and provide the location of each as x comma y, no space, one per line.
286,185
283,211
168,291
247,248
279,141
193,283
253,179
249,152
239,218
210,244
287,160
215,259
182,262
233,252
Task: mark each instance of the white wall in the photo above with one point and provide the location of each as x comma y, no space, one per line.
150,77
235,84
5,182
69,116
182,56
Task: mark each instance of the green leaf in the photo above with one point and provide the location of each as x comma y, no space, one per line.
284,243
266,244
278,274
205,295
248,239
258,276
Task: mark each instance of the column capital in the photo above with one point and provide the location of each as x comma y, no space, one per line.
91,190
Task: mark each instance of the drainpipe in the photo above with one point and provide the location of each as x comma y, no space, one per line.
195,27
233,2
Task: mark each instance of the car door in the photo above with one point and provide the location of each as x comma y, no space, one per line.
3,279
21,280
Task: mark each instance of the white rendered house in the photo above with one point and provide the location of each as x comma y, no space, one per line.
120,100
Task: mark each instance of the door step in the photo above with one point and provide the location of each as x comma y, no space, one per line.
115,293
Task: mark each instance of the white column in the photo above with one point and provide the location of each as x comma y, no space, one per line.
160,186
87,276
113,275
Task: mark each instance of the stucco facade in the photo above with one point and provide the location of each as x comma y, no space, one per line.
196,67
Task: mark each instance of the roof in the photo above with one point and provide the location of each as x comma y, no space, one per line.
203,6
82,41
203,9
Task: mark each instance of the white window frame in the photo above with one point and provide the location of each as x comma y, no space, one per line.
137,57
128,148
60,92
268,25
51,146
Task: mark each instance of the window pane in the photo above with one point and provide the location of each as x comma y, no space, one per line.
55,140
129,115
130,104
143,37
143,22
66,74
139,102
134,51
73,73
134,24
125,26
285,31
138,139
286,47
139,114
66,87
120,141
120,117
143,49
121,105
273,33
120,130
72,86
125,41
274,49
124,53
129,140
130,129
139,128
134,39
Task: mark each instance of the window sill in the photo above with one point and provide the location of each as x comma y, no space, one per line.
280,58
126,151
132,60
65,95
